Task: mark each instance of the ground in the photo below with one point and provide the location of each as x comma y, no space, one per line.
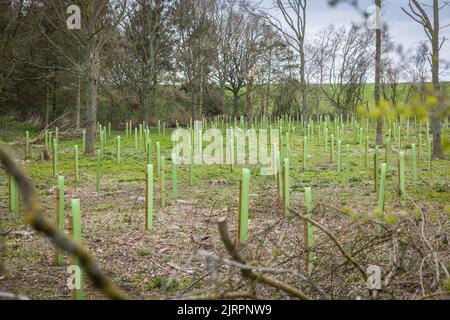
183,255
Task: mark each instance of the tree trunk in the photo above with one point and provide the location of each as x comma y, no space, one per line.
54,87
78,105
235,102
303,84
92,96
435,121
377,91
250,78
250,102
146,106
47,101
222,95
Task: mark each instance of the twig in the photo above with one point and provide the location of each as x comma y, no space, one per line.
226,296
433,295
48,126
203,276
241,266
34,216
236,256
347,255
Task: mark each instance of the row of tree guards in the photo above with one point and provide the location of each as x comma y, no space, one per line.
161,173
144,135
330,134
75,229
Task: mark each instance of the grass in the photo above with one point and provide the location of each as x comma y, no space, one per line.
113,220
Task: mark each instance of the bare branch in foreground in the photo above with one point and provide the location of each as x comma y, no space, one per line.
236,256
34,216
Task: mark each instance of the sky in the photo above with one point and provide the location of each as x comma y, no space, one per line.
403,29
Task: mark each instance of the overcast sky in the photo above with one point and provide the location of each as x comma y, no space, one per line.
403,29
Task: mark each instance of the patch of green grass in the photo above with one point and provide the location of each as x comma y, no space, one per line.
143,252
160,282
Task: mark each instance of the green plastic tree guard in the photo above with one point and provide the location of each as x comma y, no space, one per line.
414,161
401,176
76,163
135,138
286,188
244,205
381,192
55,158
97,172
101,140
347,162
162,183
287,144
309,232
158,157
386,152
339,156
118,149
366,151
305,152
60,216
419,146
175,179
332,148
191,168
280,173
149,151
77,293
84,140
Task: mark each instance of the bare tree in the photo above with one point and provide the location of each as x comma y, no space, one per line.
272,62
292,26
378,71
431,24
143,50
319,53
194,30
349,58
239,46
99,18
419,71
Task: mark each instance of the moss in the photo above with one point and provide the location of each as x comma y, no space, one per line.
143,252
160,282
391,219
